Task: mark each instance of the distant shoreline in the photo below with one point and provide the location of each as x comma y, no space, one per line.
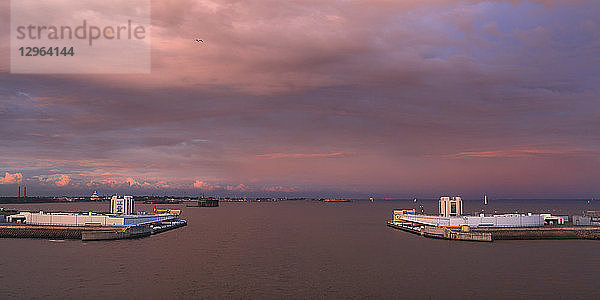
79,199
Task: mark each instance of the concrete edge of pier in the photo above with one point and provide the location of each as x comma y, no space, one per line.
441,232
86,233
491,234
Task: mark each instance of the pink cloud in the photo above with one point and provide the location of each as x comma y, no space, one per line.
200,184
63,180
303,155
114,181
132,182
520,151
11,178
59,180
280,189
205,185
386,76
239,187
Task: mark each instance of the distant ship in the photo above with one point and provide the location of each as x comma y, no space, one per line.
163,201
336,200
206,202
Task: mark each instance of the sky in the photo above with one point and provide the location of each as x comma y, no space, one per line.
332,98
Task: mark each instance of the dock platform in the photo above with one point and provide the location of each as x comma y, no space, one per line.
166,226
540,233
496,233
54,232
86,233
441,232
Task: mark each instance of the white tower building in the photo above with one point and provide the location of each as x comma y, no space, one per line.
121,206
451,206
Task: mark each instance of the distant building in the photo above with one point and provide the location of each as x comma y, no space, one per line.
122,206
95,197
210,202
450,206
593,213
553,220
4,213
589,219
582,220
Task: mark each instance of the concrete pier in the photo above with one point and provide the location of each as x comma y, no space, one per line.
166,226
491,234
51,232
442,232
451,224
131,232
538,233
86,233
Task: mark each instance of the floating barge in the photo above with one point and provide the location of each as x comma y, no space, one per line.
450,224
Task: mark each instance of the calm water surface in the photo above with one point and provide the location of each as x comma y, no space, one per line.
300,250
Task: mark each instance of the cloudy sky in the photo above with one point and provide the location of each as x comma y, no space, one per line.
321,98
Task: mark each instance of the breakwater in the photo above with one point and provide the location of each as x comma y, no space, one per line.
51,232
86,233
166,226
130,232
491,234
537,233
442,232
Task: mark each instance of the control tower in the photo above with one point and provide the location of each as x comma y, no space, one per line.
451,206
121,206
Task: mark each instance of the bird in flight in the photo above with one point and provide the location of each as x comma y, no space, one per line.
199,40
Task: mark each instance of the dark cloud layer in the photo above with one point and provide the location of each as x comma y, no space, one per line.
343,97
